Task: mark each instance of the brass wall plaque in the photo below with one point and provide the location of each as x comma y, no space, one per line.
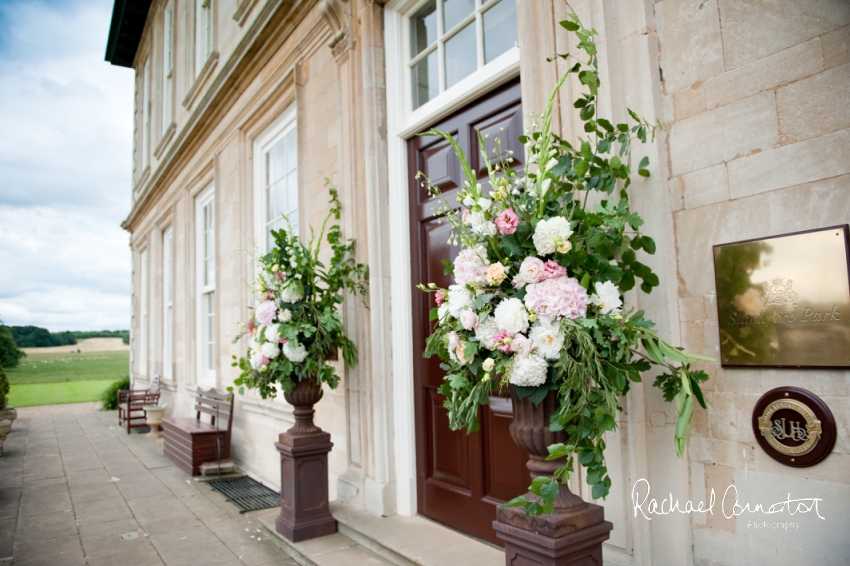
784,301
794,426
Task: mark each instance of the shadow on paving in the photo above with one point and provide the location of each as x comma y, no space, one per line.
77,490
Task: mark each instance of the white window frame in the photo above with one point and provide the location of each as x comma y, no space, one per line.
167,66
168,304
206,321
144,316
203,33
276,132
146,114
402,123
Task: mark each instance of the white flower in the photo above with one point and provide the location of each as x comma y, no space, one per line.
256,360
468,201
292,292
271,350
488,364
511,316
459,298
469,319
529,272
552,234
480,225
443,311
485,331
607,298
521,345
484,203
294,351
496,273
272,333
529,371
454,340
284,315
547,338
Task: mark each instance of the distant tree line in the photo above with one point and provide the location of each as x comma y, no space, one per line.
37,337
83,334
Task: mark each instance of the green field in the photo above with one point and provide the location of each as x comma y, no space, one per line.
50,379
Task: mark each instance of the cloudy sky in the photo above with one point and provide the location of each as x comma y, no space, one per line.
65,167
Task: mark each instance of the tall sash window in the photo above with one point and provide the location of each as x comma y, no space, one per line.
206,307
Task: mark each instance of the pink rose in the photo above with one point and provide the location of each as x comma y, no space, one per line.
469,319
439,297
265,361
529,272
521,345
551,270
507,221
499,339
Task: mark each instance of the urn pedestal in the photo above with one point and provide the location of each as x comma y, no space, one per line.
574,533
304,510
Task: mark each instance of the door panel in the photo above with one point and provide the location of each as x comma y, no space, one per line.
460,477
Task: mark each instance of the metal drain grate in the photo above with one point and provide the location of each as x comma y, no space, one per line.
247,494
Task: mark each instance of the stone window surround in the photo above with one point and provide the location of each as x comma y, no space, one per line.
402,123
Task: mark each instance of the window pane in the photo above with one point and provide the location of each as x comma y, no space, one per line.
210,329
461,55
291,151
500,32
426,84
454,11
280,160
292,192
281,197
423,28
269,167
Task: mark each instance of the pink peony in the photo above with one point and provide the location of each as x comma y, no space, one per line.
557,298
529,272
266,361
507,222
551,270
265,312
439,297
471,265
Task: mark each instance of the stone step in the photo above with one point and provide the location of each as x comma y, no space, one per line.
333,550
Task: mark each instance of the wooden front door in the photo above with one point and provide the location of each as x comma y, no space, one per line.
460,477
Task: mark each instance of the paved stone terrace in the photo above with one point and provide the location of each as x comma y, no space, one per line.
70,485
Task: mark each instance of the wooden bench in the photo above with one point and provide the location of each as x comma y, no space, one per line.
132,403
191,442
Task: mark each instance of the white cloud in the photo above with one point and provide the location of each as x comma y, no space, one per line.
65,166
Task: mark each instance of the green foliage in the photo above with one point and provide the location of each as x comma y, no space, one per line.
109,397
4,387
10,354
312,319
37,337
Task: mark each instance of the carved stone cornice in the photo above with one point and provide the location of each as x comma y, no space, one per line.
337,14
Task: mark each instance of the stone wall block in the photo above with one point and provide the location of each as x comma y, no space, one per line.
693,337
753,29
832,469
836,47
724,133
700,449
706,186
713,546
730,416
677,190
815,106
711,339
692,308
740,380
690,39
689,102
803,162
719,477
775,70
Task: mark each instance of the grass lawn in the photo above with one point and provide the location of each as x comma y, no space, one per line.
80,391
51,379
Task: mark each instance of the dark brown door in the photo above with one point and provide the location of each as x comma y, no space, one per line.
460,477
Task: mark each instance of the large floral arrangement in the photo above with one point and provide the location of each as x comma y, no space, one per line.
296,325
537,299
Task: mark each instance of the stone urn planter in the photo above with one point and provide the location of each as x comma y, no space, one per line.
304,510
575,531
153,418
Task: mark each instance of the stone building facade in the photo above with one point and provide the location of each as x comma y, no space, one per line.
238,100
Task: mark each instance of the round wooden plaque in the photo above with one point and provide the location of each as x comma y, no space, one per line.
794,426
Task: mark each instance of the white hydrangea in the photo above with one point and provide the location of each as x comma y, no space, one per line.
511,316
272,333
485,331
480,225
294,351
270,350
552,234
547,338
292,292
459,298
256,359
529,371
607,298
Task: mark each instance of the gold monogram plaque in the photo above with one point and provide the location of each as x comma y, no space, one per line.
805,428
784,301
